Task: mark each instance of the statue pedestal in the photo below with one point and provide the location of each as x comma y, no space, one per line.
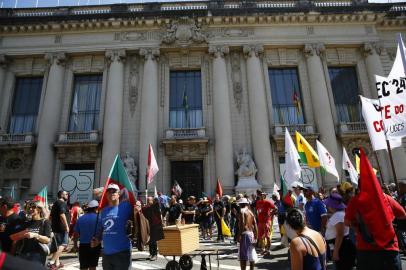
248,185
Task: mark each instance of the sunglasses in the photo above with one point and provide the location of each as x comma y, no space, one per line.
112,191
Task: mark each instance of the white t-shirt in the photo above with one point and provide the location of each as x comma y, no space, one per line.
336,218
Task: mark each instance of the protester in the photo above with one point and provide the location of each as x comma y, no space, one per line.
342,249
265,211
10,262
85,228
235,209
60,219
189,211
316,212
227,206
308,247
218,214
206,211
114,219
247,235
163,202
300,199
38,231
174,212
75,212
153,213
10,223
141,227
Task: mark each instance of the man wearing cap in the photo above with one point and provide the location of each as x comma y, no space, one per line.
85,228
300,199
189,210
265,213
316,211
114,219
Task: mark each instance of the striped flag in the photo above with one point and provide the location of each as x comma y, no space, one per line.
42,196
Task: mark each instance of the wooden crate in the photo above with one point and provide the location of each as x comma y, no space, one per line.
179,240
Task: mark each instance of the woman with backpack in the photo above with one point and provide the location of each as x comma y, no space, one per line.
36,236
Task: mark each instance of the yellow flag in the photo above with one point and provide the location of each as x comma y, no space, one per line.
357,162
306,152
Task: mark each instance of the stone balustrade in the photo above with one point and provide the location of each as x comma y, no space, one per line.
181,133
7,139
79,137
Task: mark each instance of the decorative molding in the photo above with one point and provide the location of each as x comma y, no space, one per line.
341,56
58,58
163,78
310,30
28,66
58,39
312,49
88,63
150,53
208,76
133,84
218,50
115,55
371,48
253,50
236,79
183,32
231,32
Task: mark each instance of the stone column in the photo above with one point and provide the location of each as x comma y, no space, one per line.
113,111
149,110
3,70
320,100
374,67
222,119
48,125
258,111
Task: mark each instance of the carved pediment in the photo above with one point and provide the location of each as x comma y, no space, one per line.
183,32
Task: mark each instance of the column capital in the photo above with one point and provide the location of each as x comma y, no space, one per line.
4,61
371,48
150,53
253,50
218,50
312,49
58,58
115,55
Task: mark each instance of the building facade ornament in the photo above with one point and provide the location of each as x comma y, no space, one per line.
236,79
218,50
130,167
183,32
115,55
150,53
58,58
253,50
312,49
370,48
133,82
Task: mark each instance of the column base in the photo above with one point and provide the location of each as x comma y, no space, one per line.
247,185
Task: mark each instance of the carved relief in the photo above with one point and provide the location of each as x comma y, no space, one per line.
58,58
150,53
132,36
253,50
133,84
341,56
58,39
183,32
371,48
231,32
208,71
218,51
115,55
310,30
236,79
16,161
26,66
90,63
163,77
185,59
314,49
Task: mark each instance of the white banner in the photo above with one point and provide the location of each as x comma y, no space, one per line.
373,120
79,184
307,175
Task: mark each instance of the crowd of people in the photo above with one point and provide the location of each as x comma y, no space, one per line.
317,226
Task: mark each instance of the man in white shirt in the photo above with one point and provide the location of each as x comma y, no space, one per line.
300,198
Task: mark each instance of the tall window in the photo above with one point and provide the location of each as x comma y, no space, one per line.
344,83
185,105
27,96
286,97
85,108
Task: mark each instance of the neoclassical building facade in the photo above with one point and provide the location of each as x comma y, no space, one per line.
202,82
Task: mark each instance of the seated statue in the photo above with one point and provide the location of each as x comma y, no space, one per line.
246,166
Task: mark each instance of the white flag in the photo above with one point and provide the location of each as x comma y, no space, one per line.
152,168
326,160
155,192
372,117
347,165
292,166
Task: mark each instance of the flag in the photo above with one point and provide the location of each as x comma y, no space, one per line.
286,195
219,189
152,168
347,165
373,207
118,175
357,164
306,152
296,101
327,162
401,46
42,196
276,190
292,166
176,189
155,192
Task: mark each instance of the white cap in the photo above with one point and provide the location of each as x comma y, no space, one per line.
243,200
93,204
297,184
113,186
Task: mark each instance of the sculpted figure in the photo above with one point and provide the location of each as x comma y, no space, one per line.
246,166
130,167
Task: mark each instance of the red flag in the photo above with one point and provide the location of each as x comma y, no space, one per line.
118,176
219,189
152,168
373,207
42,196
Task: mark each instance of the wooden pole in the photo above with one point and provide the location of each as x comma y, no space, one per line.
392,165
380,169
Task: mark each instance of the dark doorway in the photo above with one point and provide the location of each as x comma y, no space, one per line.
189,175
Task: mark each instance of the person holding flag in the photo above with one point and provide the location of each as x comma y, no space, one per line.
116,208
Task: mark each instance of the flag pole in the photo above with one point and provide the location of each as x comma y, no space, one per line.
392,165
379,167
146,187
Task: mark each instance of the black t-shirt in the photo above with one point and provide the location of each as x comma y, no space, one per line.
42,227
189,218
174,212
218,209
13,224
235,209
58,208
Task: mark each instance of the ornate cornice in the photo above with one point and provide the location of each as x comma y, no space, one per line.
150,53
58,58
115,55
312,49
371,48
218,50
253,50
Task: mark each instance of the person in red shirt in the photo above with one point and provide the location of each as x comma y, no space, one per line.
369,255
75,212
265,210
